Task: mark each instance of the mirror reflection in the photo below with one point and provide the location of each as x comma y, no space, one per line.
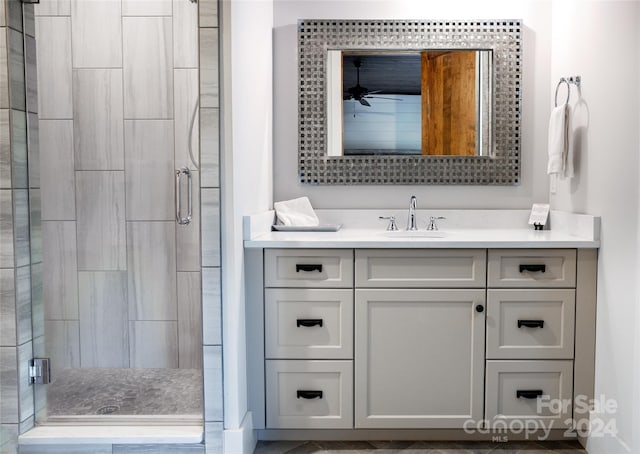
428,102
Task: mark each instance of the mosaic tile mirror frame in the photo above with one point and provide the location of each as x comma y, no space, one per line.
316,37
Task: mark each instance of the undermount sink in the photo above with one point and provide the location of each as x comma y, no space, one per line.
415,234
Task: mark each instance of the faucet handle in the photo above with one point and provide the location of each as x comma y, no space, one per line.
392,223
432,222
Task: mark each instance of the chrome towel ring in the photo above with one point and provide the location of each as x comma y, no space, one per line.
568,81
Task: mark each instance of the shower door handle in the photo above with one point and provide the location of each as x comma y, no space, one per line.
179,219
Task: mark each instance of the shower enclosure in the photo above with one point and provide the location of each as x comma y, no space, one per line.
122,225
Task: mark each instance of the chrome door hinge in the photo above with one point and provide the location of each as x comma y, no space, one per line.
39,371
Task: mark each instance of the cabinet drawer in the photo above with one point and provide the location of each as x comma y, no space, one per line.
309,394
421,268
530,324
529,390
532,268
308,268
309,323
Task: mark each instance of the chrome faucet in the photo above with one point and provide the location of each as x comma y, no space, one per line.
411,221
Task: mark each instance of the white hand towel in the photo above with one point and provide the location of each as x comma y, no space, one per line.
296,212
559,141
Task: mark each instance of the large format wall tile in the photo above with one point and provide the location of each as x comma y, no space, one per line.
188,235
59,270
31,73
37,304
16,69
25,389
185,34
104,330
5,150
186,118
9,385
54,67
33,149
62,344
208,13
96,33
189,321
19,170
146,7
14,14
101,222
21,227
23,304
152,270
53,8
150,178
7,307
9,438
6,229
213,436
4,73
58,178
35,225
209,67
211,306
210,226
153,344
148,71
213,383
97,111
210,148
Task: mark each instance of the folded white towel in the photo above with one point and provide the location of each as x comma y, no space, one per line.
296,212
559,142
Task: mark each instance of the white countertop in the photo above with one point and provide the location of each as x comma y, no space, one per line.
568,231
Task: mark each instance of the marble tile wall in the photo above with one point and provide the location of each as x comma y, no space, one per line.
20,253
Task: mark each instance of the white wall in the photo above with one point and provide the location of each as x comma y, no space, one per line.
536,51
599,41
246,169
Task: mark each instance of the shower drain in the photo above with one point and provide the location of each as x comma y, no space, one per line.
107,410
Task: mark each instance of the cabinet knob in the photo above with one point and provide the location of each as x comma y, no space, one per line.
479,308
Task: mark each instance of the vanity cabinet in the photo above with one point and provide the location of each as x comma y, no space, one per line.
419,337
419,357
423,338
531,302
308,316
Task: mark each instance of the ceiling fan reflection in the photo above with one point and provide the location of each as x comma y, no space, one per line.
360,93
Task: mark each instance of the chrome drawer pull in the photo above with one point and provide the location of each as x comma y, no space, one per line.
308,322
533,268
529,394
531,323
309,394
308,268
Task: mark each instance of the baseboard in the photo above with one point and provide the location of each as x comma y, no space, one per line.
602,439
242,440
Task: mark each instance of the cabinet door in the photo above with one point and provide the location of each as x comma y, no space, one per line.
419,358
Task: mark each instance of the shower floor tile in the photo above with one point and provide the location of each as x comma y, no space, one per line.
118,392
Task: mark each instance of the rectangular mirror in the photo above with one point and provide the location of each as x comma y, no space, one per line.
456,121
426,102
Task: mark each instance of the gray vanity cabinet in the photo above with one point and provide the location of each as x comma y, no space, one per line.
419,357
419,337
